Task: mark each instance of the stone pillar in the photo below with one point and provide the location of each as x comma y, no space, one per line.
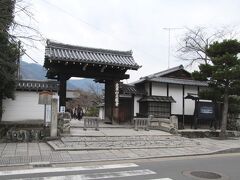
54,111
62,91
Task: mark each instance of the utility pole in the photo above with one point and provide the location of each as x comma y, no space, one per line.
169,41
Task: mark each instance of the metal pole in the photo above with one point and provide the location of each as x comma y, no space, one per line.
45,114
169,45
169,42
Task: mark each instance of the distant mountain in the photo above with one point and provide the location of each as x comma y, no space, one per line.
38,72
32,71
85,84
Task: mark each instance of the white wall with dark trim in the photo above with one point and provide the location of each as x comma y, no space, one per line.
24,107
176,91
159,89
136,104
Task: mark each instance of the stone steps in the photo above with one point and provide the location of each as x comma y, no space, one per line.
120,138
123,142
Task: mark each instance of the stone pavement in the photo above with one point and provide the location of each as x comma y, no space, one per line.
42,153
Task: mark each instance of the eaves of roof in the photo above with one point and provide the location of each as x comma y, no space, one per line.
36,85
157,99
129,89
179,81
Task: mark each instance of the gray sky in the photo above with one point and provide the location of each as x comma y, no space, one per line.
135,25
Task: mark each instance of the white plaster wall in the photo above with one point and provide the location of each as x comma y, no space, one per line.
159,89
136,105
147,88
177,93
24,107
189,104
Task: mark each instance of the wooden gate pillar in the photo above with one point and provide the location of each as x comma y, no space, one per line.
62,91
111,101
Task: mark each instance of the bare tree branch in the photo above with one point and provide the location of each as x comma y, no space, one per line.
193,44
22,27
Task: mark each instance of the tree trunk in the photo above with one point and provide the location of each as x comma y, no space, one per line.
225,114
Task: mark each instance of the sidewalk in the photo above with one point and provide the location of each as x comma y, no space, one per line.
137,146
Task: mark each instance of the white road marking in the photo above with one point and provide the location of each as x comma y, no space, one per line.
162,179
97,175
66,169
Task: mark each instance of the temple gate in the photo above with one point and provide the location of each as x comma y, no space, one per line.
64,61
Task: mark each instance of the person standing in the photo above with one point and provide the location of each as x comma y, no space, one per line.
79,113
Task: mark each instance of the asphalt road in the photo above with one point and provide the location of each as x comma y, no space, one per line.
227,166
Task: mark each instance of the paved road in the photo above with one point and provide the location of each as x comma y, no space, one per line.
151,169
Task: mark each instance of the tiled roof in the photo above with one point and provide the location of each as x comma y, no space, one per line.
128,89
162,73
157,99
157,77
33,85
66,52
179,81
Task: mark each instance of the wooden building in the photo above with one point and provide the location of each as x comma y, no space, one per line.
161,94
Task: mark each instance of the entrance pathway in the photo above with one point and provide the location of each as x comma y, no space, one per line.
140,146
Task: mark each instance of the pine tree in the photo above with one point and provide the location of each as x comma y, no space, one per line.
9,52
223,73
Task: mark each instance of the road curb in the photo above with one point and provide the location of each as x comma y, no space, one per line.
226,151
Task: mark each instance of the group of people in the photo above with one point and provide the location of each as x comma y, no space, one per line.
77,112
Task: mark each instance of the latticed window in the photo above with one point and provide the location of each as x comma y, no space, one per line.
157,109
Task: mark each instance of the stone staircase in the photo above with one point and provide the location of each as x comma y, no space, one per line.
121,142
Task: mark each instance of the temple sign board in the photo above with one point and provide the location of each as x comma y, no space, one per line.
205,110
116,94
45,98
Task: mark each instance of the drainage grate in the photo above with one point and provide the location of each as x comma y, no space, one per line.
202,175
206,175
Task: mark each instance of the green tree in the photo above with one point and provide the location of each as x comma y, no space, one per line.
9,52
223,73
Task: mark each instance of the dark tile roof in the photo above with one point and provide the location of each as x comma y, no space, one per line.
162,73
66,52
33,85
129,89
158,77
157,99
180,81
